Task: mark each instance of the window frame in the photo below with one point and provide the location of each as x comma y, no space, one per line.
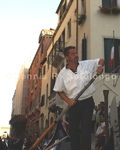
69,29
109,3
108,43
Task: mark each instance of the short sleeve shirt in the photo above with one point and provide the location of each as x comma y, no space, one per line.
100,128
71,83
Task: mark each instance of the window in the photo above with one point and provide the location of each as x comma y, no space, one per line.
64,7
83,9
52,83
31,105
42,100
46,95
44,70
84,49
68,1
69,29
62,40
42,49
32,84
109,2
37,127
61,12
29,74
39,72
108,44
36,61
60,44
42,121
46,123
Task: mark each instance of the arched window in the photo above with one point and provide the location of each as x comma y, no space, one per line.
46,95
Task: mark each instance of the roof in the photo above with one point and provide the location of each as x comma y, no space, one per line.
59,6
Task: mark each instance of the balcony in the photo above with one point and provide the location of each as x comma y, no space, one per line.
107,9
33,111
52,101
37,107
56,54
30,113
57,59
26,116
32,91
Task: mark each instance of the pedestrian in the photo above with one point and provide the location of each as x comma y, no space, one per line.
97,119
100,110
70,81
2,145
28,143
93,119
64,124
102,105
100,133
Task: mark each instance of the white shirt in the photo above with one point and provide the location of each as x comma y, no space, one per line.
100,128
72,83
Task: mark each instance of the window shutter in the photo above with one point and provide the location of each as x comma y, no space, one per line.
84,49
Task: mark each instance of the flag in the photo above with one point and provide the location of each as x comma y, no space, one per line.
112,54
113,112
114,122
112,57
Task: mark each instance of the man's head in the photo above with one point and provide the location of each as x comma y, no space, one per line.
66,50
102,117
71,54
102,104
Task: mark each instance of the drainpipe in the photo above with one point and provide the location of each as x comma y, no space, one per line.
77,25
52,59
51,77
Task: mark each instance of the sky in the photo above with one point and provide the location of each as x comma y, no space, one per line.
21,22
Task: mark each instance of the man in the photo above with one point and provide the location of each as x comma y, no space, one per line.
70,81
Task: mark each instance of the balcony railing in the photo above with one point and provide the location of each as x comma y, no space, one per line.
56,54
57,59
51,101
37,107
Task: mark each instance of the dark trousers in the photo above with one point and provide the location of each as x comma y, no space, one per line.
80,115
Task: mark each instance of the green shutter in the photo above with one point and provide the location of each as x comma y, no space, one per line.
107,52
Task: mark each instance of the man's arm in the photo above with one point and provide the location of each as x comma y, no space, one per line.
101,62
100,66
70,102
102,133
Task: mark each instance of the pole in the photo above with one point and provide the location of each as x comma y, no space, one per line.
62,113
105,93
77,25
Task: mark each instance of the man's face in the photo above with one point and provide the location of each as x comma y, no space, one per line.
72,56
102,119
101,105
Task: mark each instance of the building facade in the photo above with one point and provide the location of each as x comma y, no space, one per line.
36,99
18,104
83,24
94,29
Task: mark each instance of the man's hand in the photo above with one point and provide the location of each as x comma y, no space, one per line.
99,70
71,102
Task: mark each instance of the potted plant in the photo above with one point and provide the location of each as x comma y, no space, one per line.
81,18
115,10
105,9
